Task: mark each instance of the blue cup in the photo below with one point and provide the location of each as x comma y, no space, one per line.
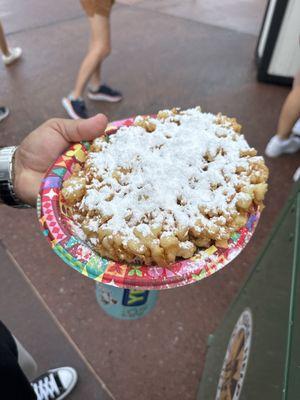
129,304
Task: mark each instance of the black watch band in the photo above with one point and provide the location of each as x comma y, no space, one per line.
7,194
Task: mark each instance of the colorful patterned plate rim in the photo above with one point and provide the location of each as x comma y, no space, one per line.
56,226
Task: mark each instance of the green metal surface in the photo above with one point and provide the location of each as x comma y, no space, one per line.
291,388
272,294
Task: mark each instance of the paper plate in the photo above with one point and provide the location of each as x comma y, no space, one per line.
57,228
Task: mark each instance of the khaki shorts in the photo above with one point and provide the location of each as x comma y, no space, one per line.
101,7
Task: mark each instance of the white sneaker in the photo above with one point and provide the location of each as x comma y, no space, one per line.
277,146
55,384
14,54
296,176
296,128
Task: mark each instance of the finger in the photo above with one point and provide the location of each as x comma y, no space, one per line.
39,149
82,129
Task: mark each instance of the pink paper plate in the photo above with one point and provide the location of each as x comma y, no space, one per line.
57,228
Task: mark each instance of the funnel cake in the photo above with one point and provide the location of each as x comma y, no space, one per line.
161,189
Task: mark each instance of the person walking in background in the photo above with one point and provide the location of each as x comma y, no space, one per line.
9,55
287,138
98,12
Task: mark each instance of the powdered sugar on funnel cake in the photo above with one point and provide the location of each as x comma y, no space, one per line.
159,190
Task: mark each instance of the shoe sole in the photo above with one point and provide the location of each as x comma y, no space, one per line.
4,116
68,107
8,63
275,155
104,97
272,155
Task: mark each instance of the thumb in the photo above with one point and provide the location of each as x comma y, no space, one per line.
83,129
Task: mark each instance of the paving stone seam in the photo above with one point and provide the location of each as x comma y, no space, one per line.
57,22
58,324
46,25
140,7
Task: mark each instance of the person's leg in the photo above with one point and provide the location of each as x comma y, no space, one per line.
17,367
13,382
10,55
296,83
290,113
287,138
3,43
95,78
99,49
26,362
98,91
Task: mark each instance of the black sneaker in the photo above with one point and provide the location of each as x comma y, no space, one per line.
4,112
105,93
55,384
75,108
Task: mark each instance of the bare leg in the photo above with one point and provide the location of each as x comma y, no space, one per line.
95,79
96,76
289,114
99,49
283,142
296,79
3,43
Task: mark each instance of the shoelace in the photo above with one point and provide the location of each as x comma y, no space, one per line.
46,388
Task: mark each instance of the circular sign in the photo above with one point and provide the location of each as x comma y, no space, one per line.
236,359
